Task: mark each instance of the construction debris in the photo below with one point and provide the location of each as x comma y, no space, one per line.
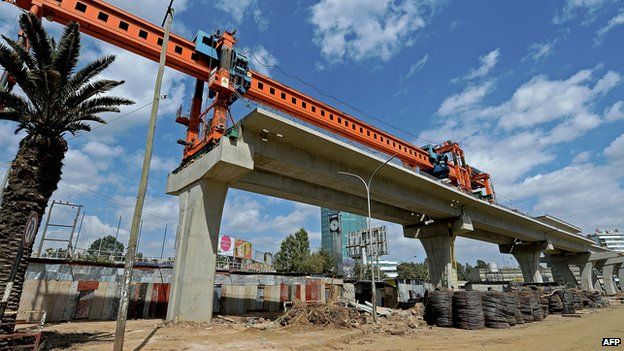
330,314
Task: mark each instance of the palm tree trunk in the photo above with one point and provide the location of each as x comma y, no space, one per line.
33,178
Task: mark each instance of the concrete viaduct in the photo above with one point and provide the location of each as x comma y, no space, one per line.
278,157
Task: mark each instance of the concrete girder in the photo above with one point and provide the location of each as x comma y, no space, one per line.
280,186
582,257
305,154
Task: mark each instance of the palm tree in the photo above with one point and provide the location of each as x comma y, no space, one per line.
56,98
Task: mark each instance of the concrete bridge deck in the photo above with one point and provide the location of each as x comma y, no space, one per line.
278,157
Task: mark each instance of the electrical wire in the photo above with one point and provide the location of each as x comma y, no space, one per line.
111,121
117,202
340,101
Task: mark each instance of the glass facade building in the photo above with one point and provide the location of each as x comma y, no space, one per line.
339,223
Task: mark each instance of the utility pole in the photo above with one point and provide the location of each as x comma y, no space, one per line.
162,250
122,313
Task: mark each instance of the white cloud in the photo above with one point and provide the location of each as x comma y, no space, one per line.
539,51
488,61
615,112
542,100
581,157
618,20
416,67
260,59
587,195
510,139
239,10
615,152
367,29
243,214
573,7
465,100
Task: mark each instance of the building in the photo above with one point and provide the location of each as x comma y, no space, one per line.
335,226
610,239
69,290
506,274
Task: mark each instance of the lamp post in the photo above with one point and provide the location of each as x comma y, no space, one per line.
367,185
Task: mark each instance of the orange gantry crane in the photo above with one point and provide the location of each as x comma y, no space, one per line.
213,59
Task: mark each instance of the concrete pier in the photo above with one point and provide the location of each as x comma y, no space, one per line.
529,265
528,256
201,186
607,278
587,275
438,248
564,272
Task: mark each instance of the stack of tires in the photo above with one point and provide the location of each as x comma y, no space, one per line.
494,310
439,308
568,301
468,310
554,304
525,306
510,307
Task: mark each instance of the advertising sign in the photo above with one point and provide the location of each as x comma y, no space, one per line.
226,245
242,249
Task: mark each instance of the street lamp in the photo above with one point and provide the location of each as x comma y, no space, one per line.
367,185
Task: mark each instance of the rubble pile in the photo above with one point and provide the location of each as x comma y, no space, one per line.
329,314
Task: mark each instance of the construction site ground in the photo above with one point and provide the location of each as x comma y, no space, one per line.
233,333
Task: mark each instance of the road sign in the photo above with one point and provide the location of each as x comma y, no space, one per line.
31,228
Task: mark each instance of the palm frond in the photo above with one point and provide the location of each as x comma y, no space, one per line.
24,55
84,75
13,64
14,102
66,56
38,39
91,89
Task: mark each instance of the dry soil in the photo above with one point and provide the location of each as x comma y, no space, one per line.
555,333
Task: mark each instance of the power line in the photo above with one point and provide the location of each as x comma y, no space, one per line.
110,121
340,101
115,201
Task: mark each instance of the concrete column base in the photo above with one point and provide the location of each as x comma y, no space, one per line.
438,249
620,274
192,290
607,278
529,265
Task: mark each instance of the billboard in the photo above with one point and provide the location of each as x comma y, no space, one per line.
242,249
226,245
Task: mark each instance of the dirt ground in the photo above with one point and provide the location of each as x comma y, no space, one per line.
555,333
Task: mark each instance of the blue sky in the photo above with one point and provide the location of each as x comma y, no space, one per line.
531,89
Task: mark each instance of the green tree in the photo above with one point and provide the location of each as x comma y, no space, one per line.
481,264
294,250
54,99
105,247
320,262
411,270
